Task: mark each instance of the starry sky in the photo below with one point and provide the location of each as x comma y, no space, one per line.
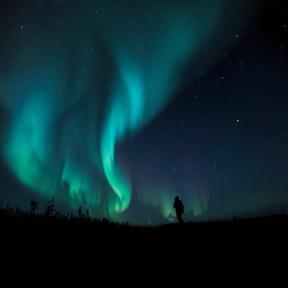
119,106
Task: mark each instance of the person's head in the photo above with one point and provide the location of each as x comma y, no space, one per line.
176,198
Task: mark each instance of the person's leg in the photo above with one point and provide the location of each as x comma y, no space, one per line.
179,217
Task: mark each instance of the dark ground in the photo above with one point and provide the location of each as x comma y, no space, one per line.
241,253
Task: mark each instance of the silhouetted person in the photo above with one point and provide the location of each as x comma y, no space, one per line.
178,205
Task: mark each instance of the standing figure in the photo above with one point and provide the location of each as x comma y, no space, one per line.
178,205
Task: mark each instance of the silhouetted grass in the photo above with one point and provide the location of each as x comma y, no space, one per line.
48,249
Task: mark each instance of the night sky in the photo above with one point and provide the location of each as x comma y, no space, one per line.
119,106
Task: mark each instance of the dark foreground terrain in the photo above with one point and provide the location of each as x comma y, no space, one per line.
241,253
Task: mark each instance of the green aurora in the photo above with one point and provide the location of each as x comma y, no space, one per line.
88,75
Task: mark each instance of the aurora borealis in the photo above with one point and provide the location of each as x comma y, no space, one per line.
119,106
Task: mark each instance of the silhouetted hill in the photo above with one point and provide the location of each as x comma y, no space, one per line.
48,251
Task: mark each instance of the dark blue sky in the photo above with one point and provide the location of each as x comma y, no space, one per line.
120,106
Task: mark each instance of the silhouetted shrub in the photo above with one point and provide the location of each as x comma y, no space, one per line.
34,206
50,208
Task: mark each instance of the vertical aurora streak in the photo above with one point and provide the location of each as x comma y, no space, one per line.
78,94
